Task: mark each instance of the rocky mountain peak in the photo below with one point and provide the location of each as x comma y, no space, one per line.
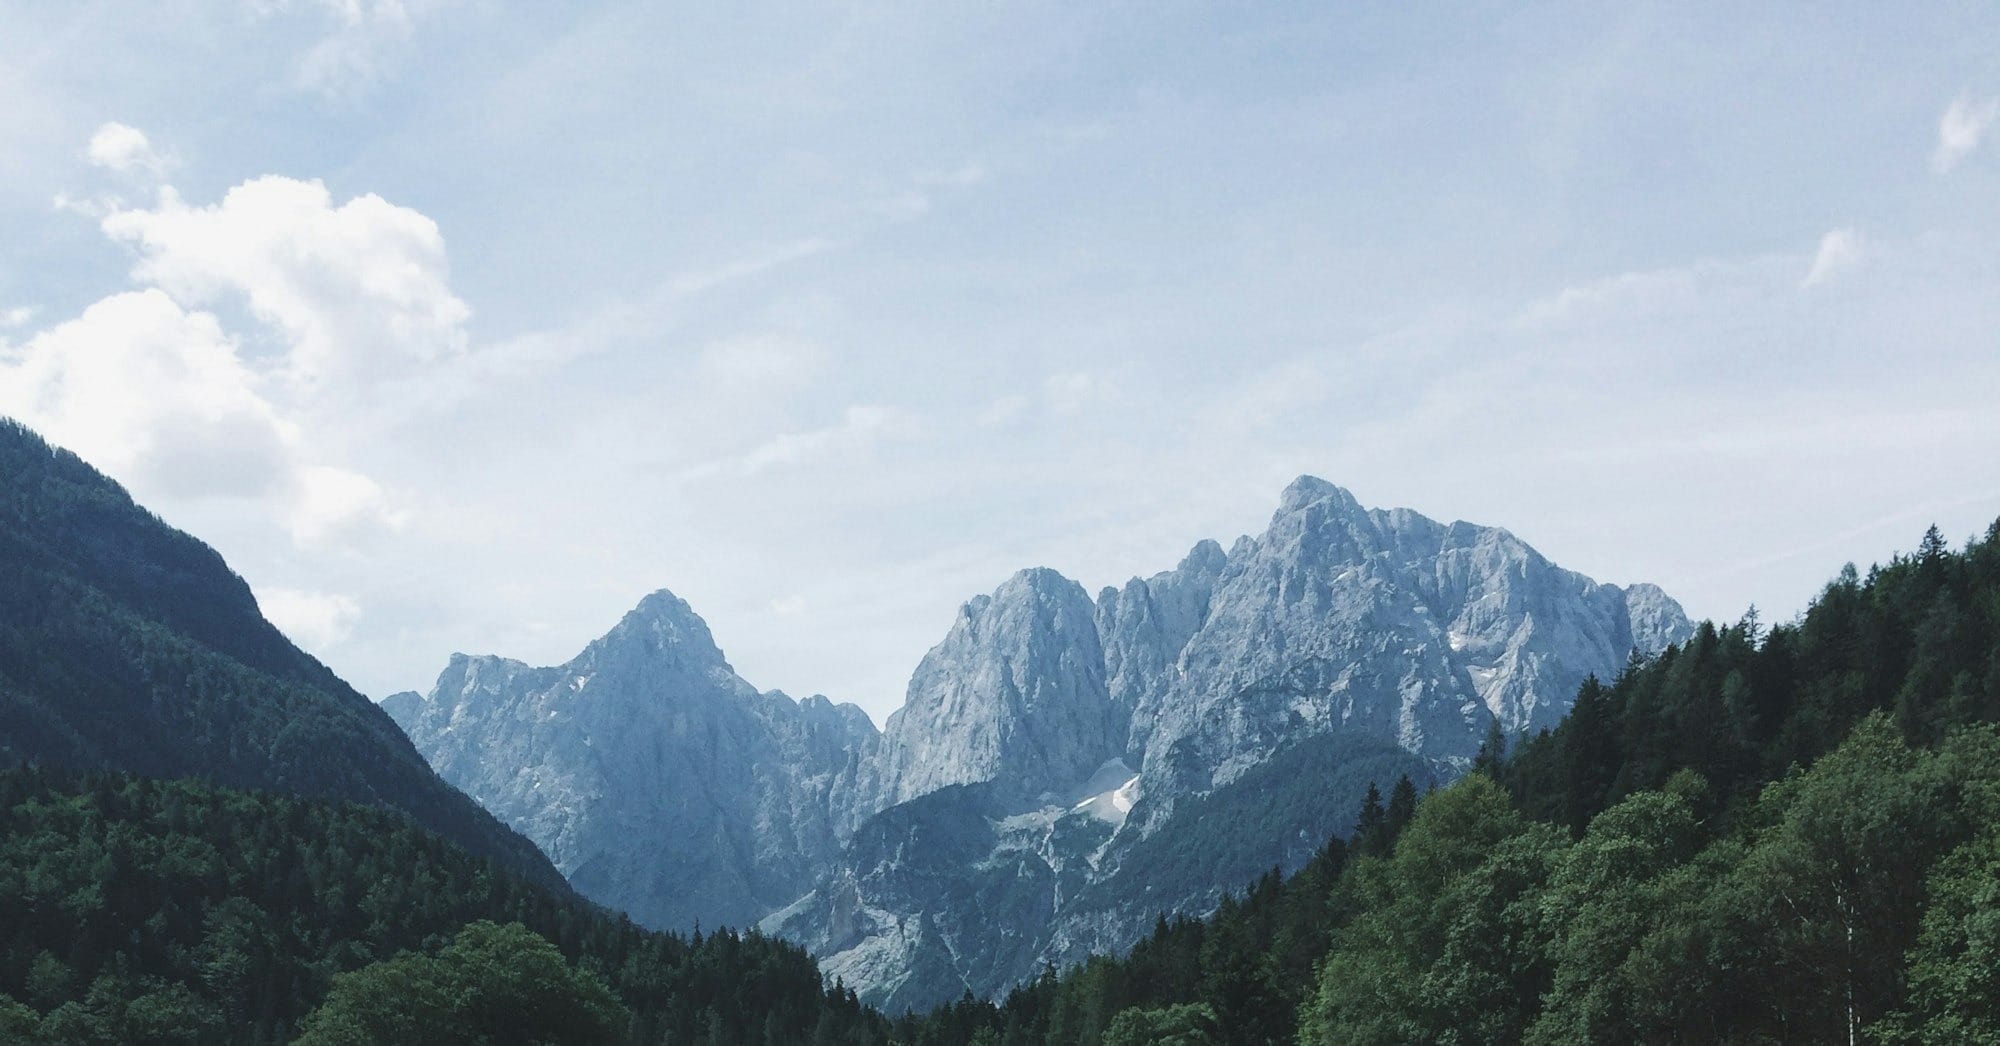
741,793
1015,693
665,623
1311,490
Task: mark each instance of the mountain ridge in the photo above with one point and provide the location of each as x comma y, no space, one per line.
1383,630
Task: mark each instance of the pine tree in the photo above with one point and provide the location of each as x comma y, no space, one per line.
1371,827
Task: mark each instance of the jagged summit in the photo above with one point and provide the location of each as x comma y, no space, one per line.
1015,693
1308,490
986,829
648,770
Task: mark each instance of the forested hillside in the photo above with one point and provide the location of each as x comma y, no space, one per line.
174,911
1782,835
128,645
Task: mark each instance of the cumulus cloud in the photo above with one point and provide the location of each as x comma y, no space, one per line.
118,147
361,291
1839,251
316,621
327,503
1960,130
150,393
151,386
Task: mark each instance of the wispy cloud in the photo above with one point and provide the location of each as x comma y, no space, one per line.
1839,251
698,281
859,429
363,42
1960,130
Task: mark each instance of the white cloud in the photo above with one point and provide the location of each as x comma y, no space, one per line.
1002,411
764,359
689,284
152,394
789,606
1623,294
150,386
860,428
1960,130
328,503
18,316
964,176
365,40
1839,251
361,291
125,149
316,621
1071,391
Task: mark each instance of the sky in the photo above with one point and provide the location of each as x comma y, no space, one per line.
460,326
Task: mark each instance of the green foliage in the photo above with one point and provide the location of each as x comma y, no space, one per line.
491,984
174,911
1400,970
1189,1024
1954,969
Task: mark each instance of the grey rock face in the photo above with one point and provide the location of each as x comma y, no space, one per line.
1390,625
1014,695
653,776
1145,626
1338,635
1061,770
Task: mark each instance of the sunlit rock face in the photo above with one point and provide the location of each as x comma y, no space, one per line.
1015,695
654,777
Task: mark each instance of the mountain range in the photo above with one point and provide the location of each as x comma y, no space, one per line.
1063,769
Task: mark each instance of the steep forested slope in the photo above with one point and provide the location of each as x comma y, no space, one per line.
128,645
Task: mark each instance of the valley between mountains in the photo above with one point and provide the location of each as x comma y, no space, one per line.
1064,769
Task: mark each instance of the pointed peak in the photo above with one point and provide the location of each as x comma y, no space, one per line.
1311,490
1041,583
663,620
1041,577
1207,554
662,604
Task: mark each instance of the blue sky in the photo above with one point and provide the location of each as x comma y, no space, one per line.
461,325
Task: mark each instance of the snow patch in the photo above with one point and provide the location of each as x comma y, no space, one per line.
1111,792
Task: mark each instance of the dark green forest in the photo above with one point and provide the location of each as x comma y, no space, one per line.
128,645
139,910
1767,835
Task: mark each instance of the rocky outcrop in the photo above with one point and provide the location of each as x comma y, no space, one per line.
1015,695
653,776
1390,625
